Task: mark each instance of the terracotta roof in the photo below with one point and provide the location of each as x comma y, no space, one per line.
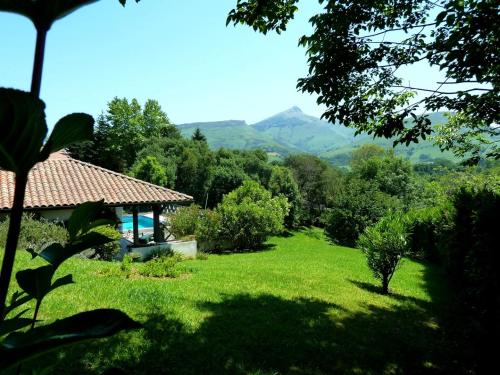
62,181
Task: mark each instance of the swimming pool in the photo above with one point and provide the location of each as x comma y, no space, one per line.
144,222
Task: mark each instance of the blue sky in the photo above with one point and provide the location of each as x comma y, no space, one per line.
178,52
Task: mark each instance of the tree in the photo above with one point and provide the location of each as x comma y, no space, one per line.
358,50
317,181
123,130
198,136
282,183
150,170
384,245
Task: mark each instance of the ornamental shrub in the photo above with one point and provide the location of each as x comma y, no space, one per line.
35,233
249,215
183,222
384,244
357,206
208,231
162,266
109,250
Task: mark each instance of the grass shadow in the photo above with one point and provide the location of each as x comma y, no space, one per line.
266,334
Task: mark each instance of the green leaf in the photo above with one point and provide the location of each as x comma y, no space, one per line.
82,217
56,253
22,122
36,282
20,346
65,280
72,128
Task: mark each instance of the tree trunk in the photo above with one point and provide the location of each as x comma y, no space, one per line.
385,285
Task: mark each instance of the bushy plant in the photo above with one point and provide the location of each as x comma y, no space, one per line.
162,266
208,231
183,222
357,206
425,227
283,183
384,244
150,170
110,249
250,214
35,233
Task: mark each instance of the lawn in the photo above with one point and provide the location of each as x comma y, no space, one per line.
302,306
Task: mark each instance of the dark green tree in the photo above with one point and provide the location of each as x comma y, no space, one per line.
282,183
359,49
150,170
198,136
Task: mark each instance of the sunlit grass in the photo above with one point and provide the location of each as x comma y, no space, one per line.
303,306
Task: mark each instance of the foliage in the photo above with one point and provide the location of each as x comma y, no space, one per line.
249,215
122,131
208,231
318,182
198,136
425,227
357,206
282,183
472,260
35,233
226,176
357,74
384,245
162,266
150,170
183,222
109,250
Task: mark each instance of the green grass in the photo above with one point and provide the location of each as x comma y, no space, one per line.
301,307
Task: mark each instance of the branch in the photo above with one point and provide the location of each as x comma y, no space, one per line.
440,92
397,29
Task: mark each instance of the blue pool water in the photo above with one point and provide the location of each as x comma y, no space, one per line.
144,222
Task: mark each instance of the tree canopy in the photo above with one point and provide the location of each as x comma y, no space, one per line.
358,50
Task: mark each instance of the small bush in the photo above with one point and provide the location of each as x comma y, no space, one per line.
249,215
384,244
162,266
208,231
35,234
183,221
109,250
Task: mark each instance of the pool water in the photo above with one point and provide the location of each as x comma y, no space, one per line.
128,223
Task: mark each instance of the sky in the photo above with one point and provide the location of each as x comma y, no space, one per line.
178,52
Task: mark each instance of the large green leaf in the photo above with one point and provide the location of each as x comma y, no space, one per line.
18,299
43,13
56,253
14,324
22,130
36,282
72,128
21,346
82,217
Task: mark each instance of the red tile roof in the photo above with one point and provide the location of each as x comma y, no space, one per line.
63,182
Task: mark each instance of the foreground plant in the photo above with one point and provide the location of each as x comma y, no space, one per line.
384,245
22,146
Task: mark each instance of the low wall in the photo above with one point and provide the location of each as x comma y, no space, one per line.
185,248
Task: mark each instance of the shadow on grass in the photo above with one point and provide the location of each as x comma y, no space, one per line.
265,334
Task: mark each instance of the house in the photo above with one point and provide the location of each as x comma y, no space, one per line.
59,184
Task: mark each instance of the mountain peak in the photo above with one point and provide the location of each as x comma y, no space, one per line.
294,109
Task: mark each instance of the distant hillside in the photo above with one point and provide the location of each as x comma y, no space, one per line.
235,134
293,131
306,133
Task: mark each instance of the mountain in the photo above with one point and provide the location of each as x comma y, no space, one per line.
306,133
235,134
293,131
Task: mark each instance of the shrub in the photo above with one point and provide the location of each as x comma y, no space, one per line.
425,228
283,183
109,250
183,222
472,258
208,231
249,214
359,205
384,244
162,266
35,234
